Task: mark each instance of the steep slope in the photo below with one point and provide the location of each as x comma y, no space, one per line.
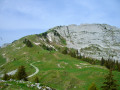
91,40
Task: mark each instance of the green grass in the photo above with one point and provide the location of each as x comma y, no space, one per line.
12,85
2,60
63,41
56,70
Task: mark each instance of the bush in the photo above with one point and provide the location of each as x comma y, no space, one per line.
93,87
27,42
65,51
47,48
6,76
36,80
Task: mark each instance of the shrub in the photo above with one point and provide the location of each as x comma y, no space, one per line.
36,80
6,76
27,42
93,87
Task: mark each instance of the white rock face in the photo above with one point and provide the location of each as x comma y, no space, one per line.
92,40
10,73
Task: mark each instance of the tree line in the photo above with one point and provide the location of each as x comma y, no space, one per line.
110,64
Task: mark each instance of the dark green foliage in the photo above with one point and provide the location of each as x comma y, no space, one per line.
47,48
117,66
110,83
110,64
72,52
90,60
36,80
65,51
21,74
44,34
56,33
93,87
102,61
105,28
5,77
79,56
47,40
27,42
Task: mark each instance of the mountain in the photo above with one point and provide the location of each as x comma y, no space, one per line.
51,56
91,40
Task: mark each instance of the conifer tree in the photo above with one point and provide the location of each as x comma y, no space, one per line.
21,74
117,66
102,61
110,83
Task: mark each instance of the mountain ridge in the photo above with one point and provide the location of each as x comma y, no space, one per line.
101,36
91,40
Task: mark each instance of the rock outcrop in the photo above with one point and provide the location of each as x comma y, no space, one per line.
91,40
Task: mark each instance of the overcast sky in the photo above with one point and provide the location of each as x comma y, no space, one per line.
23,17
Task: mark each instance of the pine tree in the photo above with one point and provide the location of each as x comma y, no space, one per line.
110,83
93,87
102,61
117,66
21,74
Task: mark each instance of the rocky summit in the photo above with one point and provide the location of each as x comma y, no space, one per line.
91,40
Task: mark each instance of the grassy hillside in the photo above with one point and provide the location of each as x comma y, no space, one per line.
2,60
56,70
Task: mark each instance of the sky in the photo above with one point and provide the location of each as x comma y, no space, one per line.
19,18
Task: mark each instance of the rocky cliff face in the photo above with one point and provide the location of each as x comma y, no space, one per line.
92,40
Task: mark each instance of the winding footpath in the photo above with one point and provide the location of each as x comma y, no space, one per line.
37,70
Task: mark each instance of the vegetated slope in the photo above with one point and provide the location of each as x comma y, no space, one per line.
56,70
